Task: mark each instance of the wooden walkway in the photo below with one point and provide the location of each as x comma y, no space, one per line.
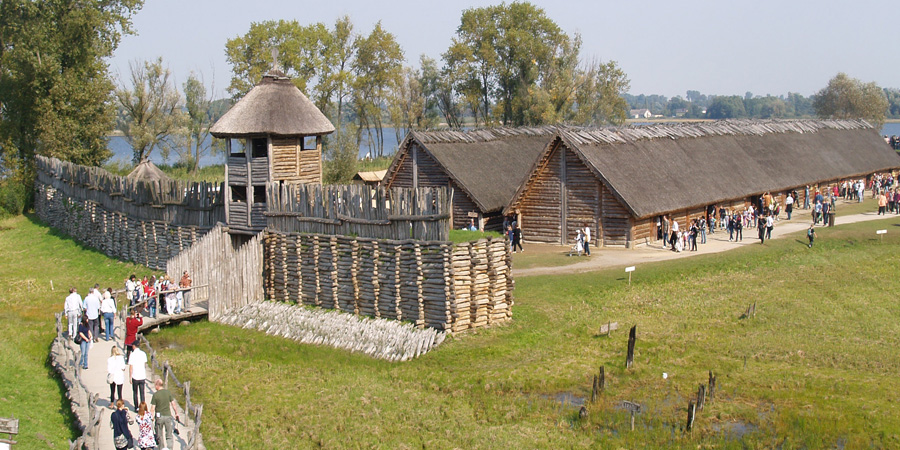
197,311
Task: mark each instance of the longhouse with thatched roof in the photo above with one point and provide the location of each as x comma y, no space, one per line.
274,133
620,181
483,167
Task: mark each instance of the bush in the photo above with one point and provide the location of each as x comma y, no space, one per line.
14,198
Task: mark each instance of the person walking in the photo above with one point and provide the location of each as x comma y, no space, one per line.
119,420
115,374
738,229
517,238
131,328
703,230
137,372
108,309
882,203
84,338
130,287
92,311
695,230
789,205
146,436
162,407
770,223
761,228
73,307
806,197
811,235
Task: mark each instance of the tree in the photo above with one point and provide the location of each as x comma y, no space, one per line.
54,81
336,77
437,86
722,107
151,108
376,67
299,52
198,119
849,98
599,98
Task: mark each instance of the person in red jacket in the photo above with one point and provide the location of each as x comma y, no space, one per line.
131,328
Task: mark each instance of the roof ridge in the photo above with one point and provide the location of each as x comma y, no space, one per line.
475,135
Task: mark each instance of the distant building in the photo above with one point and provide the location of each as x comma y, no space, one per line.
640,114
369,178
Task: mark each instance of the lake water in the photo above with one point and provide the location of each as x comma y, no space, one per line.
122,150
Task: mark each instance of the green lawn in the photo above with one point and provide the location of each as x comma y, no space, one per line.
31,256
816,368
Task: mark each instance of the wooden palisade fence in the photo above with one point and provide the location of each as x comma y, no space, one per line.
359,210
64,359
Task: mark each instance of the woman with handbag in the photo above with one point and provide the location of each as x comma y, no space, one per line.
84,339
119,421
146,439
115,374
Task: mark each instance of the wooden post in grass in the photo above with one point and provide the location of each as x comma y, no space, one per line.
690,418
598,385
629,359
712,386
701,397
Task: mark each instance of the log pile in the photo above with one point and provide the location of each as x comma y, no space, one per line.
429,284
384,339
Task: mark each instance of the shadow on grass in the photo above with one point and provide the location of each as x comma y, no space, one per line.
65,405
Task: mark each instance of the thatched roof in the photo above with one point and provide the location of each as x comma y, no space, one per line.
146,170
370,177
276,107
663,168
488,164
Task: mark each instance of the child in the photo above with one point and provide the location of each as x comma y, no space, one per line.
811,234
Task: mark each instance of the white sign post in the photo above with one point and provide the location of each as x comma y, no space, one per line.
628,270
882,233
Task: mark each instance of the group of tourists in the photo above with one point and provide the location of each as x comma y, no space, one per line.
90,317
513,233
582,242
94,316
160,295
156,423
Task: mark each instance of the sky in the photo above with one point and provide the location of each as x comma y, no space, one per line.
721,47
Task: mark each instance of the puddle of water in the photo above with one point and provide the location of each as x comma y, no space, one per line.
567,398
736,430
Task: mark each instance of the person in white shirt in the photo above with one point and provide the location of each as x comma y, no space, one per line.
789,205
108,309
72,308
92,311
587,240
115,366
131,285
770,223
137,370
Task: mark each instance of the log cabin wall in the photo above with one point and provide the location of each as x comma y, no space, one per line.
540,208
286,159
311,161
615,221
428,283
582,203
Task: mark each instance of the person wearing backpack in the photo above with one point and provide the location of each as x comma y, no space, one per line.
811,235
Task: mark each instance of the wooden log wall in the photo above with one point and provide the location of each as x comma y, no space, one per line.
146,242
540,209
427,283
359,210
615,220
582,198
230,266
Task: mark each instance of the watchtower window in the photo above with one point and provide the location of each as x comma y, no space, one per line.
259,194
237,148
239,194
260,147
309,143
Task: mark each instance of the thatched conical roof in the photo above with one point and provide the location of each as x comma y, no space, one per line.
275,107
146,170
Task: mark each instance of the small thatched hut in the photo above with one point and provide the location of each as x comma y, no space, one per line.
369,178
620,181
274,133
483,167
146,170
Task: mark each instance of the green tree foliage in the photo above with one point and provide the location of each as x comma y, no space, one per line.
599,97
893,98
849,98
341,157
151,108
437,87
198,118
376,68
54,82
299,51
722,107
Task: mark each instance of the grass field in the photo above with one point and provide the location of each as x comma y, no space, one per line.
816,368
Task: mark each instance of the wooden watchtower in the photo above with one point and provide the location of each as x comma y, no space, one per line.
274,133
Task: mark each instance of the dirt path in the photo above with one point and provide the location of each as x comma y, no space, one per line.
717,242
